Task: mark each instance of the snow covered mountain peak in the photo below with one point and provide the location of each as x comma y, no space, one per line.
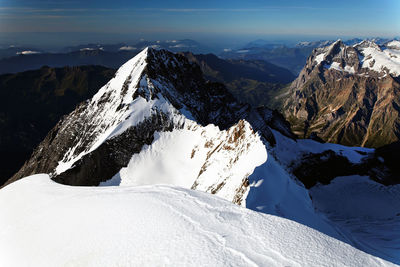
150,85
336,56
395,44
321,43
156,106
367,44
365,58
344,94
116,107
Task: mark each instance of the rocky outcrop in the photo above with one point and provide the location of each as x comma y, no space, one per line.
323,167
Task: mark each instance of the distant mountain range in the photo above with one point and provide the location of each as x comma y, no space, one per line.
18,59
171,45
22,63
291,57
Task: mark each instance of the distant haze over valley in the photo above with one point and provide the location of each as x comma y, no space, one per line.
55,42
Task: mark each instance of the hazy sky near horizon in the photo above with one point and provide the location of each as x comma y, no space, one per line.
166,18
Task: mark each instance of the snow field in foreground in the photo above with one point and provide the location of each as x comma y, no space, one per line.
58,225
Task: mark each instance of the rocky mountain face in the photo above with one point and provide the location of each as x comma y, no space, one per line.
153,94
32,102
348,95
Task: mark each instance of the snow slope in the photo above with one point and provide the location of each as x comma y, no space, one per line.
274,191
202,158
57,225
352,209
385,58
366,209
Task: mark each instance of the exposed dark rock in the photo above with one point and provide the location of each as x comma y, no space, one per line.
103,163
322,168
241,191
381,166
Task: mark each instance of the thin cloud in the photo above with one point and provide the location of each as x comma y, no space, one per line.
208,9
188,10
39,16
38,10
265,8
21,13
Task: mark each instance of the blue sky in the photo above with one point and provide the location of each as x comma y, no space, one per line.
204,19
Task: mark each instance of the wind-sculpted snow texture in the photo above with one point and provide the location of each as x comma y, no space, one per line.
154,225
366,211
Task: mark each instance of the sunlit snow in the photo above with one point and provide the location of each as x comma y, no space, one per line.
58,225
